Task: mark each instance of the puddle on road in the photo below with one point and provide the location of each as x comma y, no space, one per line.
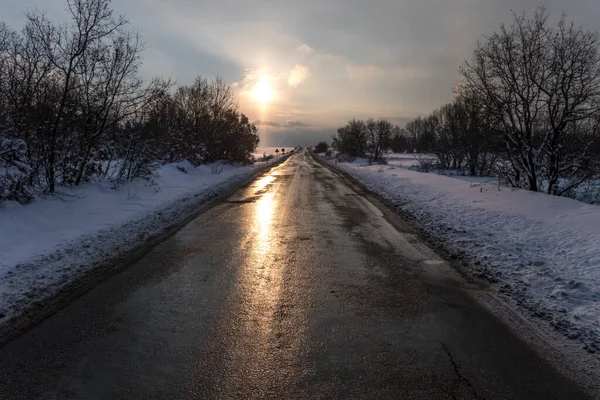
254,192
433,262
263,182
440,270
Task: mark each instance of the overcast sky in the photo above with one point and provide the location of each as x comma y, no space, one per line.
317,63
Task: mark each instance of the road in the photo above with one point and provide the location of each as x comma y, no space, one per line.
295,287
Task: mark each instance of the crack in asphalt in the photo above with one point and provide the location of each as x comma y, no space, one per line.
460,377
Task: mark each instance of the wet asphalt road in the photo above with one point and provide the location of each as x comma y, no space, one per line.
295,287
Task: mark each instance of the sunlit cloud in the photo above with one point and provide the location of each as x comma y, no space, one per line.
298,75
304,49
263,91
251,77
287,124
258,85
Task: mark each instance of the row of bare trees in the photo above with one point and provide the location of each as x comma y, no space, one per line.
370,138
461,135
73,106
527,108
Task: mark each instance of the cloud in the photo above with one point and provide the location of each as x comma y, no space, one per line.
364,72
298,136
304,49
267,123
287,124
374,72
299,74
251,77
295,124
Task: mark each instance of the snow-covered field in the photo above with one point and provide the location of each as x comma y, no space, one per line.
56,239
588,192
405,160
410,161
541,252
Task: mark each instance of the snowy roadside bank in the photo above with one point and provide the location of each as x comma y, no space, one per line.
56,240
540,252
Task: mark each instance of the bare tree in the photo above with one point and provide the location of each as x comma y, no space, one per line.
27,92
448,130
379,133
68,49
352,139
399,142
415,130
465,137
572,101
539,82
422,132
111,92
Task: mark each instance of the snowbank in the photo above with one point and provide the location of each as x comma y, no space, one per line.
57,239
540,251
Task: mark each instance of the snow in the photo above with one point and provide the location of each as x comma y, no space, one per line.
270,150
540,252
405,160
51,242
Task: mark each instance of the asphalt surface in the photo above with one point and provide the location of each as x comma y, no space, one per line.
295,287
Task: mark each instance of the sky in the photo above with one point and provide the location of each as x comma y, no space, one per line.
303,68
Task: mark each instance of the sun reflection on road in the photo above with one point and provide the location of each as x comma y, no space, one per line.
260,305
262,183
263,220
263,265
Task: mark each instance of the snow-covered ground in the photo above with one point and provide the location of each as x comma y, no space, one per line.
541,252
270,150
588,192
405,160
410,161
49,243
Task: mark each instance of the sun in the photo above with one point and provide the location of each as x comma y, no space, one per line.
263,92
